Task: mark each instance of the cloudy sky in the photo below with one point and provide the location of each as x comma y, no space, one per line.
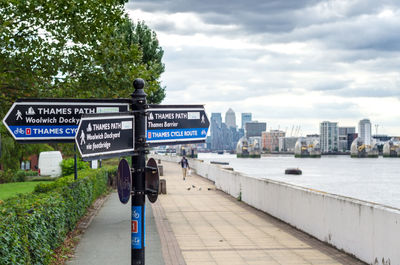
290,63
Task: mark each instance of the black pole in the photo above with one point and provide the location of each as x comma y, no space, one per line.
139,104
75,164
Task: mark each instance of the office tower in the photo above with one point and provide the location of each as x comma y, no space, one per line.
216,131
246,117
254,128
230,119
364,131
329,137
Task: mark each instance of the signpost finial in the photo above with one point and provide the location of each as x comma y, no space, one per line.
138,83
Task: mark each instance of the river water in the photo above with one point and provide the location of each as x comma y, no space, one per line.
370,179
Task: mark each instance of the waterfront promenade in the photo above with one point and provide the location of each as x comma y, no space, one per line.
199,225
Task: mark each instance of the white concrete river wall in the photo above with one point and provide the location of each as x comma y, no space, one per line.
370,232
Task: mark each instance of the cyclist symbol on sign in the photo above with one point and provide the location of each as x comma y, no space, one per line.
135,214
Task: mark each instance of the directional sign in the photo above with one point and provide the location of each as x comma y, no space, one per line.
176,124
54,120
105,135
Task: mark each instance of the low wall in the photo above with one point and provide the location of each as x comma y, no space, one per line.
370,232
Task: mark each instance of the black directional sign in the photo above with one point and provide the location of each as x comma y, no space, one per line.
54,120
176,124
105,135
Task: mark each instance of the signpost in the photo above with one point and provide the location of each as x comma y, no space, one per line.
100,132
105,135
54,120
176,124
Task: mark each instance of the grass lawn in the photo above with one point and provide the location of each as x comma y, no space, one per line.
8,190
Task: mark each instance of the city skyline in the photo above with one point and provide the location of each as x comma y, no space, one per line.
355,124
285,61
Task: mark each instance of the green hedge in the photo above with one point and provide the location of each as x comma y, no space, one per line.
9,175
33,225
68,166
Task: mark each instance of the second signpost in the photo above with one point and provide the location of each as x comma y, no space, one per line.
102,136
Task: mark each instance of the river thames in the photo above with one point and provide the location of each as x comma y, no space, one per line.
370,179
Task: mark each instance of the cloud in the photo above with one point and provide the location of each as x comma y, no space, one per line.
316,59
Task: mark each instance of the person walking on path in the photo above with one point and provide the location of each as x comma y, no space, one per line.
185,166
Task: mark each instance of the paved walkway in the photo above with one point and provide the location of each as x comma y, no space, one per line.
211,228
107,241
199,225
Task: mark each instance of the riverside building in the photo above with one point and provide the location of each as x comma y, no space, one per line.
270,140
344,135
329,137
364,131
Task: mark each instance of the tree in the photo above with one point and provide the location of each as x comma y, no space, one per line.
79,48
121,55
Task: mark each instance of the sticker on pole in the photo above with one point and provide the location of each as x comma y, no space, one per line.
136,232
124,182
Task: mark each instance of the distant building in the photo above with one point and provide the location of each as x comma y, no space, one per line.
350,139
246,117
270,140
329,137
287,144
364,131
230,119
344,138
222,137
216,131
254,128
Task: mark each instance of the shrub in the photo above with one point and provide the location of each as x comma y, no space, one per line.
33,225
6,176
68,167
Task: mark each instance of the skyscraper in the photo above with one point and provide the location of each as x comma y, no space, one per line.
216,131
246,117
329,136
230,119
364,131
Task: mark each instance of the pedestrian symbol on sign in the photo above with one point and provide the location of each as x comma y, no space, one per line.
19,115
83,138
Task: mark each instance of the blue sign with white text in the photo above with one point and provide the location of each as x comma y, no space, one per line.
136,230
43,131
176,124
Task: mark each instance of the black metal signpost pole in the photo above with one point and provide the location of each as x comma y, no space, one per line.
139,105
75,163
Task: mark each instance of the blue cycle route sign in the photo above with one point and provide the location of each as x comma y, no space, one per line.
176,124
54,120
